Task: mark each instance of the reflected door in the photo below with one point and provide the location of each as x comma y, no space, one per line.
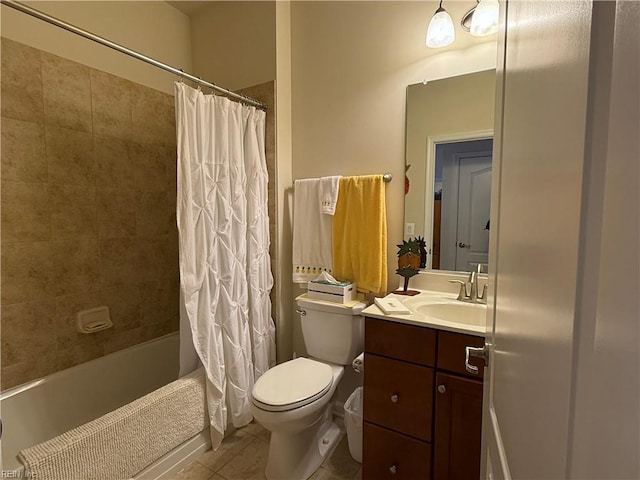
465,204
474,201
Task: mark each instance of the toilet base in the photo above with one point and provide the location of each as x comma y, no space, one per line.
297,456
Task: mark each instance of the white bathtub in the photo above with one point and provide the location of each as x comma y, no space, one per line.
42,409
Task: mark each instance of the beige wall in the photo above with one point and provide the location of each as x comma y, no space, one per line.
234,43
450,106
153,28
351,64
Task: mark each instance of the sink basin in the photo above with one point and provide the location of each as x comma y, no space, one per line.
459,312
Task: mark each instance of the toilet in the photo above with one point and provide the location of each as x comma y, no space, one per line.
294,400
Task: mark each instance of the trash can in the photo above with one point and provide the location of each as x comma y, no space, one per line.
353,422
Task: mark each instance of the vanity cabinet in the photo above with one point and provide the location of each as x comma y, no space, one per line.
422,409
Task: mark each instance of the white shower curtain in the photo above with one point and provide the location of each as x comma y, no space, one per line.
225,271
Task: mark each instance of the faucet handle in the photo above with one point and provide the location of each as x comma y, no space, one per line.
462,294
483,295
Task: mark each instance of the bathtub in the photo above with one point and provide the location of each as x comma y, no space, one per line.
42,409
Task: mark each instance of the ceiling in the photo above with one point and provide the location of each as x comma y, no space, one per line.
188,7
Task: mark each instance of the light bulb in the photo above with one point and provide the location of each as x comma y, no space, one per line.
485,18
440,32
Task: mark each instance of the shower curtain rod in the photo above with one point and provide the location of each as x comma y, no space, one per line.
108,43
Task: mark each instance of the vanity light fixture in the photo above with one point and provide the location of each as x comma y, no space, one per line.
485,18
440,32
482,20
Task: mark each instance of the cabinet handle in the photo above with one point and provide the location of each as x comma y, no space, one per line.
442,389
477,352
393,470
395,398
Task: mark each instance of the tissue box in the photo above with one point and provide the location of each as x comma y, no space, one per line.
332,293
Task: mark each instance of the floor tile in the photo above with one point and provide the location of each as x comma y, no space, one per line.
322,474
257,430
340,463
230,447
249,464
194,471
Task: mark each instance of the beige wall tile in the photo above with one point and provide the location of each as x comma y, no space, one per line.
27,272
73,211
153,116
114,168
67,93
116,213
76,266
124,306
120,340
23,151
20,373
25,212
28,331
150,163
153,216
159,301
111,101
21,82
70,156
149,332
156,258
118,261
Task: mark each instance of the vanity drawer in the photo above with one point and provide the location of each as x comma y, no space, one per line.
398,395
391,455
451,353
397,340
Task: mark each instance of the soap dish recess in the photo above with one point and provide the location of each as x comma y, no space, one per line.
93,320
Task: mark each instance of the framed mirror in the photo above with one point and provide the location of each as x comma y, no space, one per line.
448,148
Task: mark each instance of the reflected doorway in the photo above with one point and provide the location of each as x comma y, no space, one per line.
462,204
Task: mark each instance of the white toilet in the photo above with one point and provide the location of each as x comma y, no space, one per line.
294,400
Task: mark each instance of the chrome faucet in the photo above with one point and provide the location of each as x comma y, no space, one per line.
472,295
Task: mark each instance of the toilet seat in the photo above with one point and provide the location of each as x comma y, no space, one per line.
292,385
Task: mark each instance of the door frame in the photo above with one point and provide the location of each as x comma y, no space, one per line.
430,172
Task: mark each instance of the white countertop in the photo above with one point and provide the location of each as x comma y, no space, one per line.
419,319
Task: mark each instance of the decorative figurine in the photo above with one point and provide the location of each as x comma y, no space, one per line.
408,264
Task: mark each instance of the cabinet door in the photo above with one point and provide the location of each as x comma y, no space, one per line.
458,428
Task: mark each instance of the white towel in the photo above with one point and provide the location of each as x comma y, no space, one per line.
329,194
311,232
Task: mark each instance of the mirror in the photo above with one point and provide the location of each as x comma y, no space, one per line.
448,148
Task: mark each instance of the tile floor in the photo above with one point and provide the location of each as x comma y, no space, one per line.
243,456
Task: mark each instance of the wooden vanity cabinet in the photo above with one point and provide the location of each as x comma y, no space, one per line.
422,409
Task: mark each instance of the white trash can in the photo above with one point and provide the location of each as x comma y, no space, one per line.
353,422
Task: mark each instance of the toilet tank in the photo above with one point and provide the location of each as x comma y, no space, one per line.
332,332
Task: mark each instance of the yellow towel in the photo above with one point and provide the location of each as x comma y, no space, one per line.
360,233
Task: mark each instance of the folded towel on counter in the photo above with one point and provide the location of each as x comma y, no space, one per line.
360,233
311,232
329,187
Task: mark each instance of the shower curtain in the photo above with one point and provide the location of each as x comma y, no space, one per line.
225,271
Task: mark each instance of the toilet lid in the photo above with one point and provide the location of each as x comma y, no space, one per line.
292,384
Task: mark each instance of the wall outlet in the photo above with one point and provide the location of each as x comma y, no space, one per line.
409,229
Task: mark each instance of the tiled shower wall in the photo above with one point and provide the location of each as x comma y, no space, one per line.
88,212
88,174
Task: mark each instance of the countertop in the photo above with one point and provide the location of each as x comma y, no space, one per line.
416,318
